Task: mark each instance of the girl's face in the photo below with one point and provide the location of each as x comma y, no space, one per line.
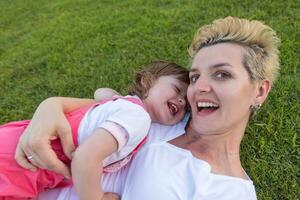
220,92
166,100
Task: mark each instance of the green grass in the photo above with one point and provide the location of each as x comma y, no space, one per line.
69,48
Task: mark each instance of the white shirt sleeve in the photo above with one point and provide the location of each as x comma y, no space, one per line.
134,120
119,133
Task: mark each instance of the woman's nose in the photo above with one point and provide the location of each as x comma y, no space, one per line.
202,85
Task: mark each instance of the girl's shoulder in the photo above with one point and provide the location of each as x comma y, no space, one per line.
159,132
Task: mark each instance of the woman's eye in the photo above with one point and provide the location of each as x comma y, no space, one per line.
222,75
194,77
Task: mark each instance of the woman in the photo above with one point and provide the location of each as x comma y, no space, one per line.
234,64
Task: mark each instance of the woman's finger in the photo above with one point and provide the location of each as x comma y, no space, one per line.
34,159
47,159
41,155
66,138
22,160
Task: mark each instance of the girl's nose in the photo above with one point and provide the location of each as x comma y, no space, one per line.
181,101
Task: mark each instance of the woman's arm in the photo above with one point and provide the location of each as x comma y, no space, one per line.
48,123
87,164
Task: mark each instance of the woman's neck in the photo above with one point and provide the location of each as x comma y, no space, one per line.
221,151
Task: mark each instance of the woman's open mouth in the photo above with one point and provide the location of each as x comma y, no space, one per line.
205,107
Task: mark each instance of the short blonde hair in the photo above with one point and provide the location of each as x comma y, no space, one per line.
261,58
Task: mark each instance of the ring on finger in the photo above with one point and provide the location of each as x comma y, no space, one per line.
30,157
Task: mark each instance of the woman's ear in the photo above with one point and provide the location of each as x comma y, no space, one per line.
263,89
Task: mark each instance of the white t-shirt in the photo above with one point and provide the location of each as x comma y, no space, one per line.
163,171
126,115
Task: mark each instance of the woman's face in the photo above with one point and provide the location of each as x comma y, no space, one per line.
220,92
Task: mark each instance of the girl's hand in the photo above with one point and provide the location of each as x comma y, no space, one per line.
104,93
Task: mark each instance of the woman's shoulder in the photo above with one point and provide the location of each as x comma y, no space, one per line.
159,132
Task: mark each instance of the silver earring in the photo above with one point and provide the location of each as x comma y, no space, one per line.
255,108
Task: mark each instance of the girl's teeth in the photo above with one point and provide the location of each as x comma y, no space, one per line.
173,108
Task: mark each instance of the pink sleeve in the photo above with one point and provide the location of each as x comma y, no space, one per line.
120,134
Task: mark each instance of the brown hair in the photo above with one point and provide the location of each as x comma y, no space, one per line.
145,78
259,41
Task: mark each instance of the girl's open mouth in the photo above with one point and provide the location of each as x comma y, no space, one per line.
173,108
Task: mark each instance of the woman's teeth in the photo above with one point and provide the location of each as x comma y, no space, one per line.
204,105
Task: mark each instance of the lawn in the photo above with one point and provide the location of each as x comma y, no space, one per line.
71,47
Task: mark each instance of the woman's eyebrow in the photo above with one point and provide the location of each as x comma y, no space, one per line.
193,70
217,65
221,65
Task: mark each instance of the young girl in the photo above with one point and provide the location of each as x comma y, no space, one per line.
108,133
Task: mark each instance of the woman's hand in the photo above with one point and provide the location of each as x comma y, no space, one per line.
48,123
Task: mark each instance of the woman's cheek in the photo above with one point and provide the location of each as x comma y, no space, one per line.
189,94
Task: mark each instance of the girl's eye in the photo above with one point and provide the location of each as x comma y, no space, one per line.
194,78
176,89
221,75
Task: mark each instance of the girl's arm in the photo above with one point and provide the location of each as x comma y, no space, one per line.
87,164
